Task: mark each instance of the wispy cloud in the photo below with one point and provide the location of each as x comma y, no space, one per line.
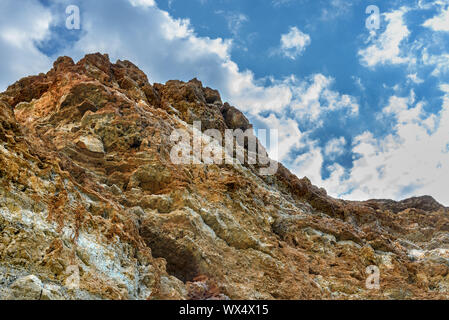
234,20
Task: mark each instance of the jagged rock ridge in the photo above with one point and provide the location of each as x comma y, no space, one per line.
91,206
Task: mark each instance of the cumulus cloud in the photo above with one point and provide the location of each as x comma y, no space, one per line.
143,3
396,45
314,97
439,22
311,163
290,136
294,43
414,78
413,160
386,47
26,24
335,147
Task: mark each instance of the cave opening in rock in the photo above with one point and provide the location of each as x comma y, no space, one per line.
181,263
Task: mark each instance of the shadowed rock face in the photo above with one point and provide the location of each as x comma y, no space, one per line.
92,207
426,203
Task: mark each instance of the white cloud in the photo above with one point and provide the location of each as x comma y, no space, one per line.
310,164
439,61
335,147
142,3
25,24
414,78
444,87
290,136
439,22
414,160
386,48
315,97
294,43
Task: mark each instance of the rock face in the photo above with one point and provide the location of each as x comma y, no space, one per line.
92,207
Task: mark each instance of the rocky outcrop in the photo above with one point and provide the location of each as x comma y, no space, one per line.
92,207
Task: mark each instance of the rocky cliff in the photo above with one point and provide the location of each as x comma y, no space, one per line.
91,207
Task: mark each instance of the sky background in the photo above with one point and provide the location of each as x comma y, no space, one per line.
362,112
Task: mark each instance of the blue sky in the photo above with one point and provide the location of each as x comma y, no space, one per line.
362,112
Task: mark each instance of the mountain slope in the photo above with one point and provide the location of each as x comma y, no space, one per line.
93,207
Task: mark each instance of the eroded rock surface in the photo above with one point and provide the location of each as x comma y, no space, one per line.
92,207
